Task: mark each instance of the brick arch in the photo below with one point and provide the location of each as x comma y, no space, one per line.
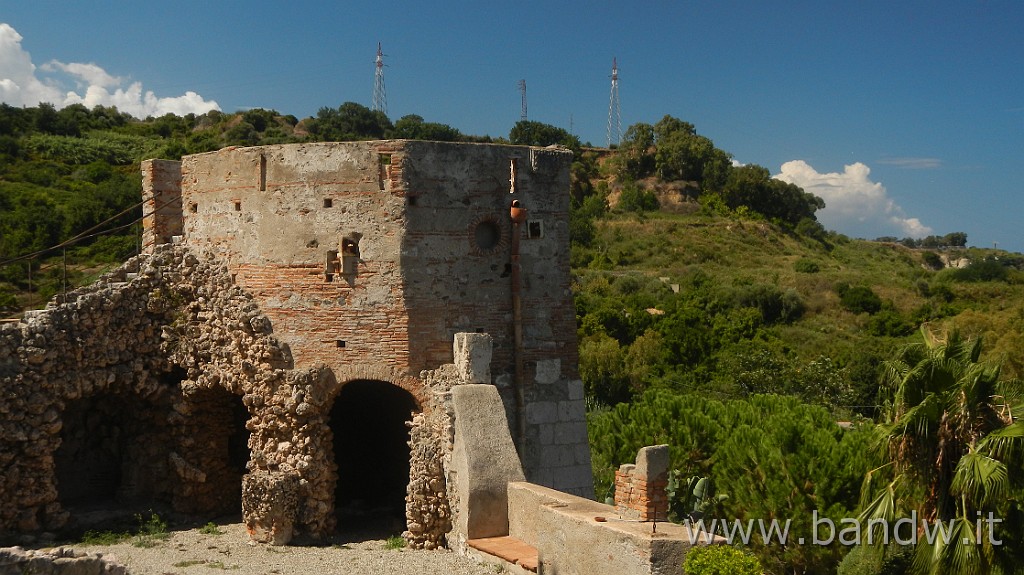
413,385
503,234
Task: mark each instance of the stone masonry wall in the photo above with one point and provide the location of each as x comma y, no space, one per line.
161,187
640,489
163,332
60,561
378,253
203,375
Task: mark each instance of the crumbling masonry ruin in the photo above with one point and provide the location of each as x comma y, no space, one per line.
284,345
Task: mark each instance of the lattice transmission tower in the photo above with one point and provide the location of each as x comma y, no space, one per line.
380,95
614,108
522,90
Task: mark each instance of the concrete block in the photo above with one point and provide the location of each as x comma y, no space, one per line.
652,461
571,433
541,412
547,434
472,353
572,411
549,371
571,541
484,459
576,390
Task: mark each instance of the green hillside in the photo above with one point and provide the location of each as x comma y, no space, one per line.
733,306
714,314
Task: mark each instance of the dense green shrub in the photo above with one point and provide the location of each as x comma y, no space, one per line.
889,322
806,266
775,457
720,560
634,199
932,260
858,299
867,560
986,270
774,304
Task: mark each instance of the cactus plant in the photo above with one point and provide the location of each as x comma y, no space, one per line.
691,499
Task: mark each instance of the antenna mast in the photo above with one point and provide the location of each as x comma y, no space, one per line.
614,109
522,89
380,95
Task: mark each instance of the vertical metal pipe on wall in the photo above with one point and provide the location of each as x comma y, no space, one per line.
517,213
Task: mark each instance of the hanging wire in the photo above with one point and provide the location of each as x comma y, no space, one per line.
87,234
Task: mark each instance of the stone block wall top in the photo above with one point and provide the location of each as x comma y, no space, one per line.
472,352
484,460
641,488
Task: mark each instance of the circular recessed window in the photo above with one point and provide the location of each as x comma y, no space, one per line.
487,234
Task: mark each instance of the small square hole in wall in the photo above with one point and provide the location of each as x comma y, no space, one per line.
238,206
328,203
340,343
194,208
534,229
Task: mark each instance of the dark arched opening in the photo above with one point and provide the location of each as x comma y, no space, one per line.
216,442
371,449
113,454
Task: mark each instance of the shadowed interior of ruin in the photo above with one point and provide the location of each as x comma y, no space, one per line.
217,442
109,455
372,452
120,452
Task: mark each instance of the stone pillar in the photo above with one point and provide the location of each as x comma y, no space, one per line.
162,211
472,352
640,489
484,461
270,504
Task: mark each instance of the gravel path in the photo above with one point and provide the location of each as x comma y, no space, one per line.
193,553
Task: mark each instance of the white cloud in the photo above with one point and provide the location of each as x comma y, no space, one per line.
23,84
854,205
19,85
88,74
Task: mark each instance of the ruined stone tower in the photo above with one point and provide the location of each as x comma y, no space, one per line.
369,257
295,307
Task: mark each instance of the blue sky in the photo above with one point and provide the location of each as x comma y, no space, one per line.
906,117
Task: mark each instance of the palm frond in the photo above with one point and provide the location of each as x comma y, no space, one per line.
981,479
1004,444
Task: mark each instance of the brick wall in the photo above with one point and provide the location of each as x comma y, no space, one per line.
434,259
161,208
640,489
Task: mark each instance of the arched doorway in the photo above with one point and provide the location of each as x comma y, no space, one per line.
111,457
371,450
214,439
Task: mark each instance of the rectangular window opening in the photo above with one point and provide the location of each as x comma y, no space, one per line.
534,229
332,266
238,206
384,162
263,173
328,203
194,208
340,343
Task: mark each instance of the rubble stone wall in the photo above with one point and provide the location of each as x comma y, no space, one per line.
204,372
61,561
172,341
